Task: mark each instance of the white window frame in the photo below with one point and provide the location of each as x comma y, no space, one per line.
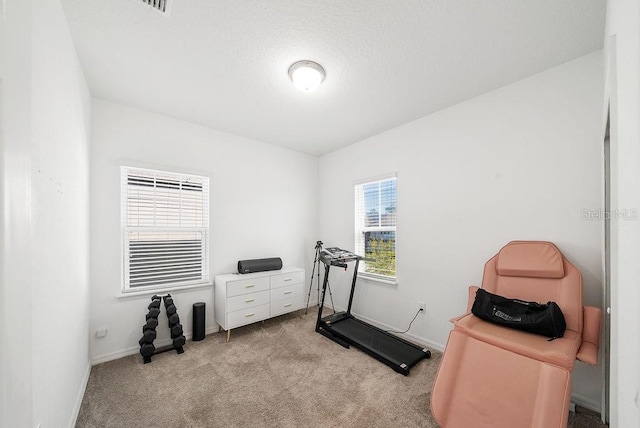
168,211
360,229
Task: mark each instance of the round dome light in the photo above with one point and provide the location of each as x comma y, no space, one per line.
306,75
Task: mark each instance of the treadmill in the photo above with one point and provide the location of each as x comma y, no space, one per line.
345,329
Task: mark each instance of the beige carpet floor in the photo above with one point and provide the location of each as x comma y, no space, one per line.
279,373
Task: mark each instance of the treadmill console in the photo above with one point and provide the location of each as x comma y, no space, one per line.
335,256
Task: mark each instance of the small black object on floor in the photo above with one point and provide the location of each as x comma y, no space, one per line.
198,321
147,348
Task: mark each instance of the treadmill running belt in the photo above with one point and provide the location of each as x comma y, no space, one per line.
367,337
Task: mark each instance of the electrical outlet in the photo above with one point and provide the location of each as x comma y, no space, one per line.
422,306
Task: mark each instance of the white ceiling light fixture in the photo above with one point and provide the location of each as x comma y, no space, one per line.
306,75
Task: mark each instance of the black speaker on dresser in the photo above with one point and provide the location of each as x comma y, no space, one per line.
259,265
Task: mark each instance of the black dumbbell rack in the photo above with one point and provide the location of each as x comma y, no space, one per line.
147,349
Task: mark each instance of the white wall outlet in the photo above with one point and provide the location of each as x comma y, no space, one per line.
422,306
102,332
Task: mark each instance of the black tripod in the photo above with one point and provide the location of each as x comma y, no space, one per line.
316,265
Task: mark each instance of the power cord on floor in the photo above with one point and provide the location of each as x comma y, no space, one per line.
414,318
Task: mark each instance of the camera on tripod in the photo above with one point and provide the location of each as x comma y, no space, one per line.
316,271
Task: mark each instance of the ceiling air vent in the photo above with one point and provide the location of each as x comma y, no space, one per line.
160,6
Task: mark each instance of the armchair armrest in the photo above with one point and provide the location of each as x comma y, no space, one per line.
588,352
471,298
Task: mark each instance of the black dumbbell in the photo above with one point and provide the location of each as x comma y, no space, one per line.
171,309
179,341
151,324
148,336
153,313
147,349
173,320
176,330
154,304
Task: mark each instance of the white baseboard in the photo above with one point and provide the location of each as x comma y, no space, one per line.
99,359
76,408
587,403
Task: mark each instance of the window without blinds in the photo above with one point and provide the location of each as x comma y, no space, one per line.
165,218
375,226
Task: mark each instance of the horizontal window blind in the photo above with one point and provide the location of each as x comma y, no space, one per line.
165,218
375,226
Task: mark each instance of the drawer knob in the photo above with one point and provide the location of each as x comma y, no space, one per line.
249,300
249,315
287,279
288,292
287,305
249,285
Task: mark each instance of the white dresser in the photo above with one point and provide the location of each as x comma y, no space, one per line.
247,298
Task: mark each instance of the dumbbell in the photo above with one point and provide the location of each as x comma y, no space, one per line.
168,301
154,304
179,341
176,330
147,349
148,336
151,324
171,309
173,320
153,313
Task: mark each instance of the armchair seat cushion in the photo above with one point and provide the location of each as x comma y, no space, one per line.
560,352
483,386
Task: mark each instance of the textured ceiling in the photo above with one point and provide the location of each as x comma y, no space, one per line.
223,64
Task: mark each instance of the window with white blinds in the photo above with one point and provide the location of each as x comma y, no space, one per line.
375,226
165,228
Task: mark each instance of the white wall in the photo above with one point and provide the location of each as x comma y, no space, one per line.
263,204
46,241
15,173
623,92
521,162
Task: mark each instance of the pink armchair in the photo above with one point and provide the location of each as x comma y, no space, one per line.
492,376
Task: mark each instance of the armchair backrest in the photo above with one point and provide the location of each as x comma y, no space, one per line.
536,271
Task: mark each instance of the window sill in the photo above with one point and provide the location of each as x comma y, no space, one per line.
389,282
145,293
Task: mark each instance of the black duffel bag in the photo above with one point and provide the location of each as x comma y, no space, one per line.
544,319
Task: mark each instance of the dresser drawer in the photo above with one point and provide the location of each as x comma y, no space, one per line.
247,316
248,285
286,292
249,300
287,279
286,305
